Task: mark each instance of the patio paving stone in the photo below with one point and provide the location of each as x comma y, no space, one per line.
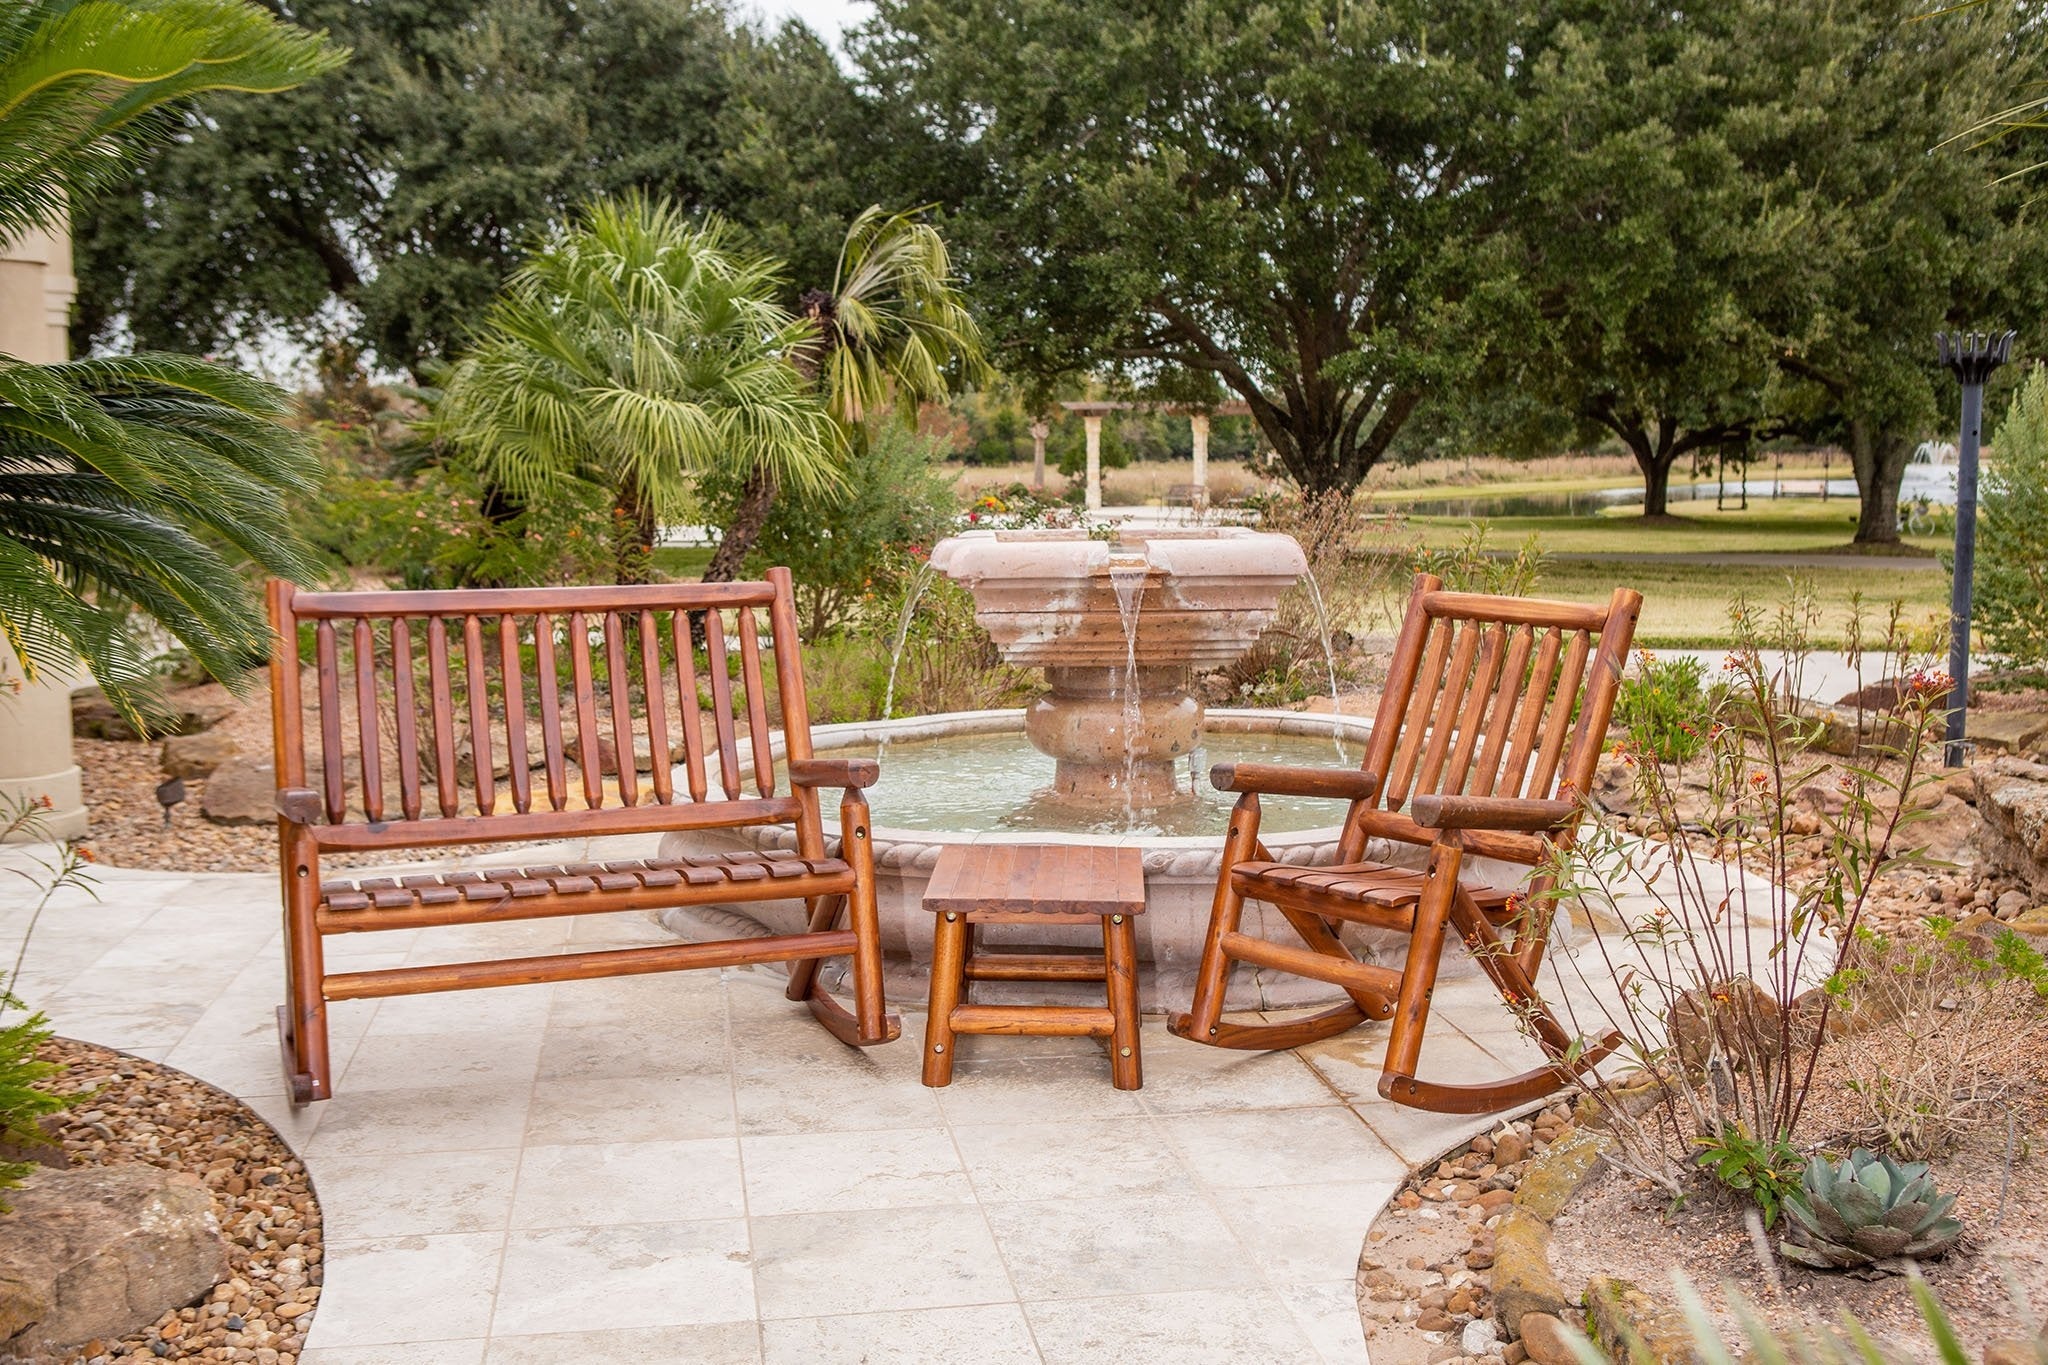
686,1167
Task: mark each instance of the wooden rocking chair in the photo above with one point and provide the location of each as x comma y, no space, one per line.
1493,717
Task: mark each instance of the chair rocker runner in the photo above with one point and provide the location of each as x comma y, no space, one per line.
1486,737
402,673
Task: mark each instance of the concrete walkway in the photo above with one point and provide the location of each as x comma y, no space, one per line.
686,1168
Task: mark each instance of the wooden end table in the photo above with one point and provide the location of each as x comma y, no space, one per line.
976,884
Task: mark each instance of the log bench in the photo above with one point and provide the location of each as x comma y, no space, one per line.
410,686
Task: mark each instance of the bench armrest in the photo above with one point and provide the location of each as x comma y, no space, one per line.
1279,779
834,772
1494,812
300,805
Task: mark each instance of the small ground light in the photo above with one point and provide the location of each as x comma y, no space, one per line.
1973,356
169,793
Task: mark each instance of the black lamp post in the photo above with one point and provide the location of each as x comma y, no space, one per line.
1973,356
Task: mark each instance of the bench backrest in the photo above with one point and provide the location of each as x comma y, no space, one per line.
560,686
1492,696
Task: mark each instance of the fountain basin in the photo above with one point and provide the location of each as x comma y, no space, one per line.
1181,853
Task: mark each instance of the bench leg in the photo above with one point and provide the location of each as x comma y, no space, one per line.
1120,952
949,952
866,920
302,1019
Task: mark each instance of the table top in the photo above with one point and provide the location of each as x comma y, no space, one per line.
1038,879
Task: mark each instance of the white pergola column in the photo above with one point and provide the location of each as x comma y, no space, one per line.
1199,424
1093,422
1039,431
36,286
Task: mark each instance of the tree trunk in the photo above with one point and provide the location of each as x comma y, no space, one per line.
633,537
757,500
1879,458
1656,486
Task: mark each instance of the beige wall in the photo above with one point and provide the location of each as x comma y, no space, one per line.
35,718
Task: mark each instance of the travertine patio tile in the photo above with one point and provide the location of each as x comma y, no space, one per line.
1188,1078
506,1010
1281,1147
644,1047
889,1168
632,1108
459,1118
408,1289
599,1184
1087,1248
876,1260
444,1353
625,1276
846,1096
1328,1315
1199,1328
1082,1160
638,1001
719,1343
432,1061
1305,1232
988,1334
1005,1090
427,1192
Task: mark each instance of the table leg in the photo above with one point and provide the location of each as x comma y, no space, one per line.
949,950
1120,950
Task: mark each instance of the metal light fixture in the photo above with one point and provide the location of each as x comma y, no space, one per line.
1972,356
168,794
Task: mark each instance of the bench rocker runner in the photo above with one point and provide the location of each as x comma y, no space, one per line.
1493,717
388,666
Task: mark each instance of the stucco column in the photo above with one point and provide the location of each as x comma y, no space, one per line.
35,718
1039,431
1093,422
1199,424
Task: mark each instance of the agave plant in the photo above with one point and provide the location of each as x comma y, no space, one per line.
1867,1209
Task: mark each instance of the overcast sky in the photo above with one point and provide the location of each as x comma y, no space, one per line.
828,18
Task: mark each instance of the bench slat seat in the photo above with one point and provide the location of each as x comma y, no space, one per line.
519,686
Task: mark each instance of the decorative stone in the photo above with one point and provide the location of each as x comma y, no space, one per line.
1544,1340
2012,796
94,717
2015,732
103,1251
197,755
241,791
1634,1328
1479,1337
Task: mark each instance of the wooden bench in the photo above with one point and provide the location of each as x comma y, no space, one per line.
409,686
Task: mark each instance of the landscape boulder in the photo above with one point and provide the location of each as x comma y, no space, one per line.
94,717
2012,798
241,791
196,755
101,1252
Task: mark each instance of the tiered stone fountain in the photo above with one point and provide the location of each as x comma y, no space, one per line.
1119,626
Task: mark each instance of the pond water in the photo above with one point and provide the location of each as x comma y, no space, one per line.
996,783
1592,502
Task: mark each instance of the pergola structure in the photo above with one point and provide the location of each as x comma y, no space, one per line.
1091,413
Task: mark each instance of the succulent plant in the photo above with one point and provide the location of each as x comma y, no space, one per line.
1865,1210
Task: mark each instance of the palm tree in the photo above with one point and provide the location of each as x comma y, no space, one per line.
889,330
134,481
638,351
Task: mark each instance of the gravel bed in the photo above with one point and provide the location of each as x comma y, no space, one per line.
152,1114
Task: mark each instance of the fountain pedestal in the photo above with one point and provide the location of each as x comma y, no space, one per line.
1113,744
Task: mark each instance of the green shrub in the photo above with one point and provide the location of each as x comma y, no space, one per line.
1665,707
842,544
2012,548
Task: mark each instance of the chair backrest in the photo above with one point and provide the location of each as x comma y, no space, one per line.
1492,696
556,689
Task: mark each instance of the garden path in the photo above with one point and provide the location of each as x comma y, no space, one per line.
686,1167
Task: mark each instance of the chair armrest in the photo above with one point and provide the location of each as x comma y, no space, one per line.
300,805
834,772
1494,812
1279,779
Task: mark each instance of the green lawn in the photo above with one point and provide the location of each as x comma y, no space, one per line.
1785,526
1687,604
677,563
